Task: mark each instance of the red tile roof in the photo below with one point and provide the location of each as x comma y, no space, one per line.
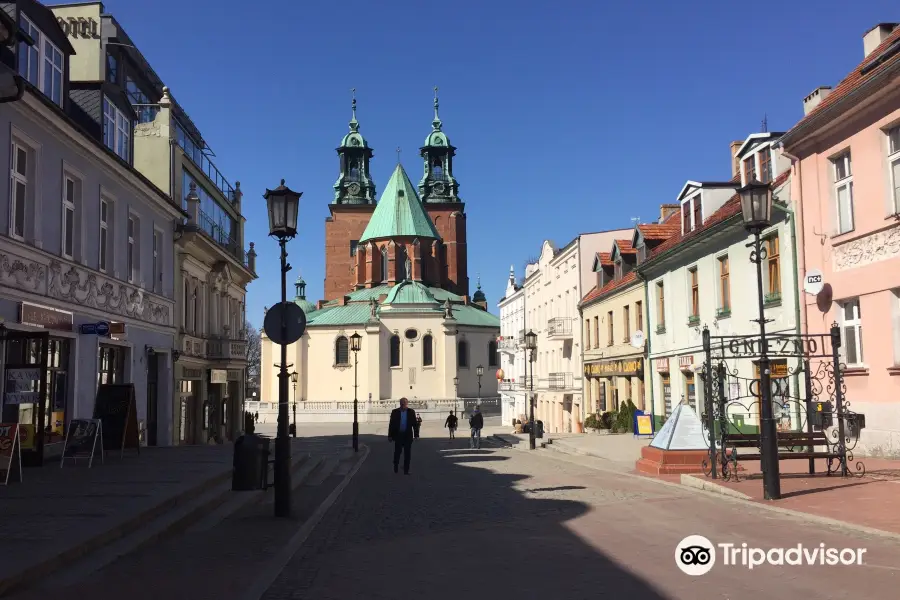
625,247
605,259
659,231
609,287
856,78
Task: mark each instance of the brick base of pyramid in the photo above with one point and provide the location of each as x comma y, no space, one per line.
655,461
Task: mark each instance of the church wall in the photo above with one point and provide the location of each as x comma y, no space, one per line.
347,223
453,234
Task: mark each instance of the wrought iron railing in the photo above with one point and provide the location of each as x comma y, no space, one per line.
218,234
202,161
559,381
560,327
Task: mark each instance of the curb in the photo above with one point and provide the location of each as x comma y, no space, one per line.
691,481
278,562
713,491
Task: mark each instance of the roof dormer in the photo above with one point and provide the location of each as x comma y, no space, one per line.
758,160
699,199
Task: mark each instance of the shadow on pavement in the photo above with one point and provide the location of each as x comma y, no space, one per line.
457,527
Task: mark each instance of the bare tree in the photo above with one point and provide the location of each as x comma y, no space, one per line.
254,353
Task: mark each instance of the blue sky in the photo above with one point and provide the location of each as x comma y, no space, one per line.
568,116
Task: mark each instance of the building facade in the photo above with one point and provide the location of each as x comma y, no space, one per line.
84,238
212,269
421,337
513,383
846,184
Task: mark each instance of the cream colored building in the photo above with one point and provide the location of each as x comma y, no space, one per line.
513,385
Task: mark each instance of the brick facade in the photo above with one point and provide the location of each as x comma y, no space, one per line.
450,221
347,223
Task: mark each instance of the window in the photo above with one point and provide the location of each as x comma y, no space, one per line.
724,287
427,351
395,350
104,232
686,217
41,64
116,130
626,319
750,168
462,354
112,69
157,261
492,353
131,258
596,332
695,292
843,192
660,307
773,272
690,390
698,212
587,333
639,315
609,328
894,167
111,368
353,245
68,229
401,263
342,351
19,190
765,165
145,108
851,318
384,264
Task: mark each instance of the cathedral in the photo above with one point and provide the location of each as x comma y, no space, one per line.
395,275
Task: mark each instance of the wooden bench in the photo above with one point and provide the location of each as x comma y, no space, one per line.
785,439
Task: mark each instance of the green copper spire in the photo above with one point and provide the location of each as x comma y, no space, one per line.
479,295
438,185
399,212
354,184
354,124
436,124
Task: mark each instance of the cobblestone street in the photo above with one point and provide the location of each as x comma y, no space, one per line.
506,523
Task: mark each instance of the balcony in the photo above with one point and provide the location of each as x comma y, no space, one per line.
560,381
772,299
559,328
693,320
195,152
221,237
508,345
514,384
223,349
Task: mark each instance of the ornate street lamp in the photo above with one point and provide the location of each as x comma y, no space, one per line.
283,205
479,371
531,347
456,394
756,210
294,377
355,342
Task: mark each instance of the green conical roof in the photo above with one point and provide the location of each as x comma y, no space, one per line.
399,212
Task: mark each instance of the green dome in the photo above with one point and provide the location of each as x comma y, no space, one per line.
479,296
354,139
437,138
410,292
305,305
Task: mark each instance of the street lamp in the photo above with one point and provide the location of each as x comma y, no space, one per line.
756,210
531,346
283,204
479,370
456,393
294,377
355,341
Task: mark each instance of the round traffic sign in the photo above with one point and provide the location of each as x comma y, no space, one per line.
294,321
102,328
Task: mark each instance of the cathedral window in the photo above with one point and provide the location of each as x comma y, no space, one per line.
492,353
395,350
462,354
437,169
342,351
427,351
354,171
401,263
384,265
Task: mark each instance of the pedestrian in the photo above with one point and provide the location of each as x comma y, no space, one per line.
451,424
402,429
419,420
476,422
256,416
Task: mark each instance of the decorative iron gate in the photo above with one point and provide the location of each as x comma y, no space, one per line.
808,395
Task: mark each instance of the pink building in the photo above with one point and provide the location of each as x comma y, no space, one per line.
846,184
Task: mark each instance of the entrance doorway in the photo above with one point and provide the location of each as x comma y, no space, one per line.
152,399
34,395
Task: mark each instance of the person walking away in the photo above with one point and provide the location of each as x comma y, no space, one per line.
476,422
402,429
451,424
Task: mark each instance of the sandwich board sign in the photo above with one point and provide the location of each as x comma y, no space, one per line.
81,441
115,408
10,453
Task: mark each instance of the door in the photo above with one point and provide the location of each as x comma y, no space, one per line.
152,399
26,395
667,394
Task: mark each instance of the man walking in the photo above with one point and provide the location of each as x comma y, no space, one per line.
450,424
402,428
476,422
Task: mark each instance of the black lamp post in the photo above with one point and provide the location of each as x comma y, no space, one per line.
456,393
756,209
355,341
294,377
283,205
479,371
531,346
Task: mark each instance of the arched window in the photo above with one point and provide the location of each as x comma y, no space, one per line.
384,264
427,351
342,351
401,263
462,354
492,353
395,350
437,169
354,171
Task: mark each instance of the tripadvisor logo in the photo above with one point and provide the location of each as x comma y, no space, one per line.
695,555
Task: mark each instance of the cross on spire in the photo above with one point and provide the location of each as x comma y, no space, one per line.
398,155
436,124
354,124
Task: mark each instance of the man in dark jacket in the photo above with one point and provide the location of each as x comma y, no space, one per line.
450,424
402,428
476,422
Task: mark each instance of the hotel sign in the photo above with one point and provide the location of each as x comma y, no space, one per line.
42,316
610,368
79,27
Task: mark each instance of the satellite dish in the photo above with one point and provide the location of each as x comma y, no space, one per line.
813,282
637,339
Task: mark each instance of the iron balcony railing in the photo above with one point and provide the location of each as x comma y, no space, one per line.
202,162
559,327
218,234
560,381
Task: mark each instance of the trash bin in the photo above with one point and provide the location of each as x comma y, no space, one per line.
539,429
292,430
251,462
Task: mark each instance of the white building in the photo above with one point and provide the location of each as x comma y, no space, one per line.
513,401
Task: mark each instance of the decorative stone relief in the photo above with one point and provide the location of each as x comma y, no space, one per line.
877,247
22,273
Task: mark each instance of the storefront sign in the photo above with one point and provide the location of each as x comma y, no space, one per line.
21,385
611,368
42,316
685,362
191,374
662,365
644,425
234,375
218,376
116,328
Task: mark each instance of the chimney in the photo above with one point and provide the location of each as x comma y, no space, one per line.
667,210
875,36
735,162
815,98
